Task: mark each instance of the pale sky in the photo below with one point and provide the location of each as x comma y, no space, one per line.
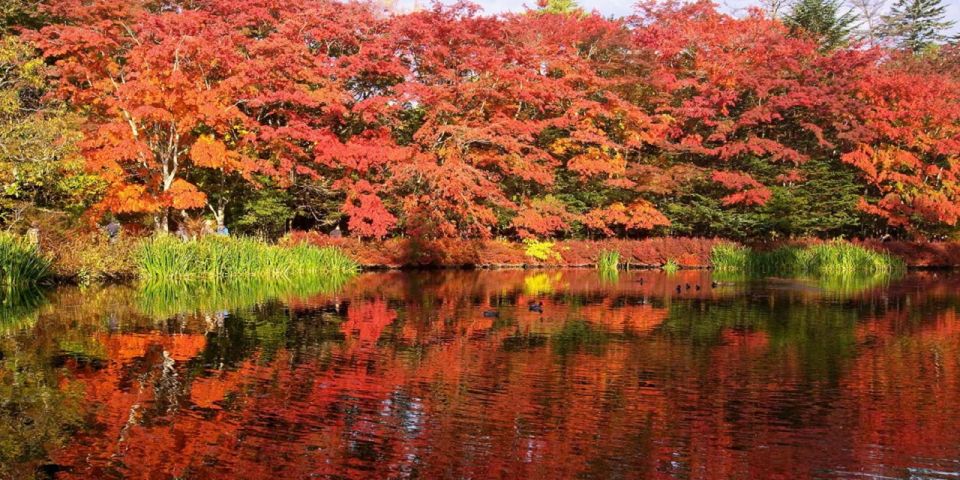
625,7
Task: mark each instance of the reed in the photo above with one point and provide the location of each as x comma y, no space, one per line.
729,257
220,258
608,261
671,266
21,263
825,259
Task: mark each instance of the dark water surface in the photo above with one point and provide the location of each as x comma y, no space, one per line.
402,375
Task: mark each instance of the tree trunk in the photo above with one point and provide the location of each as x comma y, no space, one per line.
161,220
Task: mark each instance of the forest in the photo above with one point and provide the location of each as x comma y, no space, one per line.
269,116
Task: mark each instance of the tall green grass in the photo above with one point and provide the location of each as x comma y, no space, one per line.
729,257
825,259
222,258
608,261
21,263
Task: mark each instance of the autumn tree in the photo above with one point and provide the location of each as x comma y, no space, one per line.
188,102
39,161
739,93
505,118
907,151
448,123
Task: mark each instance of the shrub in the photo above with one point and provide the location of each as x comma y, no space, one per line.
91,257
542,251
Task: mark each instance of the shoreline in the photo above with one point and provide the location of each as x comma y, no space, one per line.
89,259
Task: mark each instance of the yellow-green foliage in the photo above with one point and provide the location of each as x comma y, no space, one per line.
218,258
542,251
541,283
39,161
671,266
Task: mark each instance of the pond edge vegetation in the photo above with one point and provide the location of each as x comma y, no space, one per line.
21,263
214,258
836,258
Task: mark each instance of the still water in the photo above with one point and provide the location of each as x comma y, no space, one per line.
450,375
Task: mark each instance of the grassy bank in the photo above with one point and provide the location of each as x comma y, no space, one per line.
823,259
219,258
21,263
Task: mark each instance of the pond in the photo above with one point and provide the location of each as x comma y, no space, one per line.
450,374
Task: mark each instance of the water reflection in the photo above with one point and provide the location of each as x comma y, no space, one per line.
19,307
402,375
165,299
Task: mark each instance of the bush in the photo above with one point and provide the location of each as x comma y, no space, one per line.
542,251
92,257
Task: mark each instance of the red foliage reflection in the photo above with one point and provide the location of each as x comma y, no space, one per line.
614,380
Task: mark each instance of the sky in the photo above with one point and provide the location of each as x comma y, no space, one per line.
624,7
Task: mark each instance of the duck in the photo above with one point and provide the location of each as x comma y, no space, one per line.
714,284
536,307
679,289
697,287
491,313
688,286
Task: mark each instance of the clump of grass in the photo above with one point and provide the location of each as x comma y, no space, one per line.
221,258
608,261
729,257
843,258
671,266
21,263
825,259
